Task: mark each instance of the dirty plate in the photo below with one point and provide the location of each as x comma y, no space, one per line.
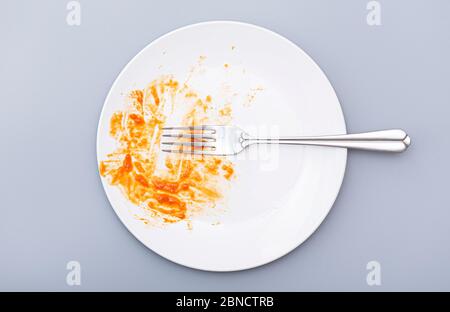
280,195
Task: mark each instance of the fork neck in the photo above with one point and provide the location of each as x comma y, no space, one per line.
247,140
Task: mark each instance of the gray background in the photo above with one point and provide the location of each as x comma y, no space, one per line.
391,208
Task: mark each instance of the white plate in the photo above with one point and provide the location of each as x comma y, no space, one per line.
275,203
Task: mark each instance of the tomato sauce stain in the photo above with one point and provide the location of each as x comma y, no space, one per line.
181,185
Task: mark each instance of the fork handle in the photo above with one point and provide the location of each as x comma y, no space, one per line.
395,140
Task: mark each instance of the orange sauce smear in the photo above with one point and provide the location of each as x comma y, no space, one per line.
183,185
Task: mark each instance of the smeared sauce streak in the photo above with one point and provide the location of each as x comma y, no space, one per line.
184,185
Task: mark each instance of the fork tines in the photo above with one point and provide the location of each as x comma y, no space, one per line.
191,140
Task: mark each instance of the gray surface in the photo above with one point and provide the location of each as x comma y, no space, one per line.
392,208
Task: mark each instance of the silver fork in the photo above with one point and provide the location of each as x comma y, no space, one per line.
231,140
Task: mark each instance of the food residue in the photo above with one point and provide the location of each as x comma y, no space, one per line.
250,98
168,186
